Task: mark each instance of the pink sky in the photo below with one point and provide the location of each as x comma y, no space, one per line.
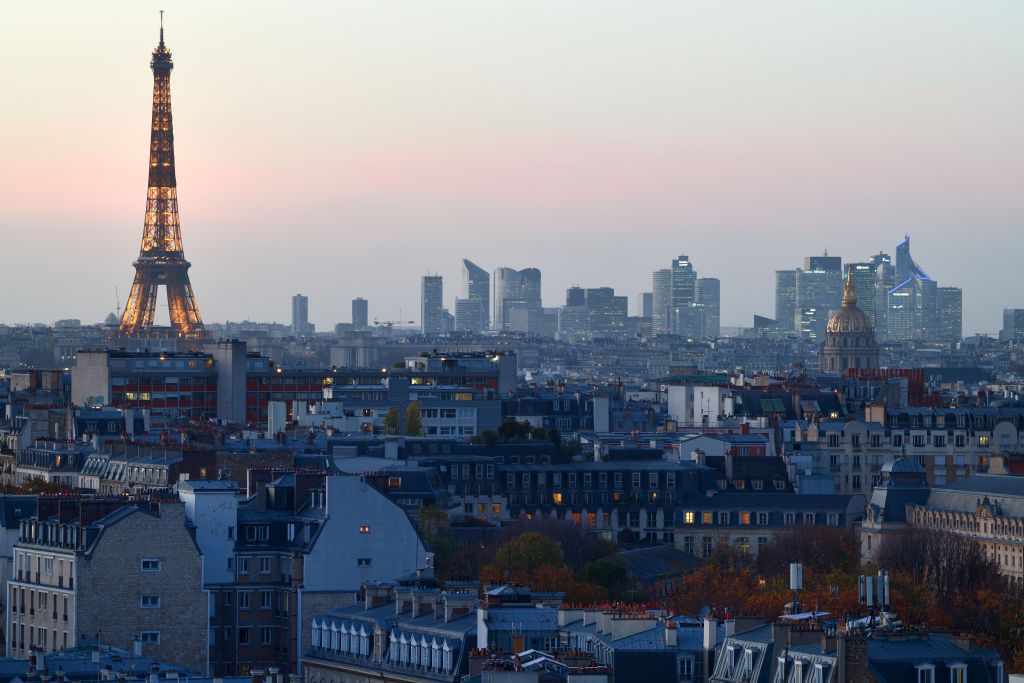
344,150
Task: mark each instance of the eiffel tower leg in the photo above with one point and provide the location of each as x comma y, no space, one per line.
184,314
141,307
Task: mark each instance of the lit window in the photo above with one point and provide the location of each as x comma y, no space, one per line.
364,529
689,517
745,518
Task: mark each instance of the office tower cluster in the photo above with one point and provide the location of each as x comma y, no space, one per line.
300,316
683,303
900,299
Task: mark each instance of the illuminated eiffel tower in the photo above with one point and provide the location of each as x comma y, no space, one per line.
161,260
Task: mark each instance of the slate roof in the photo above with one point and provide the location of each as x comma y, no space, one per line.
963,495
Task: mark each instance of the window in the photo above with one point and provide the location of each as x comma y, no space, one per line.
808,518
689,517
745,518
983,441
266,635
364,528
705,546
48,566
789,518
150,637
394,482
243,635
264,565
150,564
688,544
652,480
244,599
897,440
227,599
723,518
762,519
243,565
618,480
636,480
149,601
940,441
958,673
686,669
707,518
925,673
833,440
364,562
780,485
961,441
266,599
833,519
918,440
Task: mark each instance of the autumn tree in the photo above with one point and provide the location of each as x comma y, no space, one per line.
391,421
413,419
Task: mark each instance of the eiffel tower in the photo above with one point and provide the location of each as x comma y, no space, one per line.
161,260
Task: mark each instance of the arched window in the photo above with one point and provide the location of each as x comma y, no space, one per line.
316,633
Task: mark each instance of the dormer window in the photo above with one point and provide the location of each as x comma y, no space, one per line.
958,673
924,673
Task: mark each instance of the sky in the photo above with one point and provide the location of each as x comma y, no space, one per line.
344,149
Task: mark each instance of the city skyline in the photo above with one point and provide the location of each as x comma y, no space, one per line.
939,165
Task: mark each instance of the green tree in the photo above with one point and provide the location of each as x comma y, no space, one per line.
436,533
526,552
611,574
391,424
413,419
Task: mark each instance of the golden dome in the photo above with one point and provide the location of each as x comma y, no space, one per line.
849,318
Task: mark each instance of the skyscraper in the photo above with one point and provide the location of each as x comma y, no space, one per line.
863,275
516,291
819,292
661,301
645,305
476,286
709,295
1013,325
360,314
300,315
470,315
684,289
912,303
432,313
950,313
785,300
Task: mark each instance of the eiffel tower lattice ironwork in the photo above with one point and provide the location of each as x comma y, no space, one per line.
161,260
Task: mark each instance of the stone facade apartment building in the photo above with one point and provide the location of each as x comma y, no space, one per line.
296,544
88,570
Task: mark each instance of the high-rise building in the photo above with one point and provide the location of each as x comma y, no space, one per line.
1013,325
432,313
470,315
300,315
885,280
516,290
606,312
785,300
863,275
645,305
476,286
575,296
684,290
360,314
661,301
819,292
912,303
950,314
161,259
709,295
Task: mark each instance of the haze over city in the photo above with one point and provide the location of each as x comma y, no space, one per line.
347,149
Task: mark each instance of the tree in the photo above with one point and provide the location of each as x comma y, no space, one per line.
946,563
526,552
436,534
819,549
413,419
611,574
391,423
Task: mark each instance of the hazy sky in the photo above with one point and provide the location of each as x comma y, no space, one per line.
344,149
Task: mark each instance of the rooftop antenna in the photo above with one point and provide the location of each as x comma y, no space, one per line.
161,28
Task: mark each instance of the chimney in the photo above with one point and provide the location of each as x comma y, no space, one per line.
137,647
670,634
